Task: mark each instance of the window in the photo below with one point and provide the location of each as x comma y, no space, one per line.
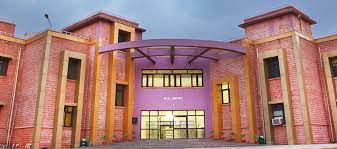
225,93
333,65
172,78
119,101
73,69
186,80
196,80
278,110
123,36
147,80
273,68
4,65
158,80
68,116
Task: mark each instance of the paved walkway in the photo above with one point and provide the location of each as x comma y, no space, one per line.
205,143
310,146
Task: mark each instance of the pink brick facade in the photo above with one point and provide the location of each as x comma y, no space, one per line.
7,27
260,33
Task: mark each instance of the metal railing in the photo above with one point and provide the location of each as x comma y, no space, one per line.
6,20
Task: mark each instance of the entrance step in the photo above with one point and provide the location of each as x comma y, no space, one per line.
175,143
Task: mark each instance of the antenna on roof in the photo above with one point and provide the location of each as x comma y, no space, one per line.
47,17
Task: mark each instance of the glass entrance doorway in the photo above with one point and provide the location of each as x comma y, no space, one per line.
177,124
166,132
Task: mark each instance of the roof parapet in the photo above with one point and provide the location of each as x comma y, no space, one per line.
276,13
102,15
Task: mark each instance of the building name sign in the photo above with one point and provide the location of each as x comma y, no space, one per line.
173,98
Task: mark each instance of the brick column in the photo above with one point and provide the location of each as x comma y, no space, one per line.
250,90
112,79
60,100
41,94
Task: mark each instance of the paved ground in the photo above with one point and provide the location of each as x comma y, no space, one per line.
205,143
311,146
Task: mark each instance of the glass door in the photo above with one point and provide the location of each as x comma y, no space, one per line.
169,124
166,132
180,127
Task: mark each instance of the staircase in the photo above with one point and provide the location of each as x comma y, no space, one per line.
175,143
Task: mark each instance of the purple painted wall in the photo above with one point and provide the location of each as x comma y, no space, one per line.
153,98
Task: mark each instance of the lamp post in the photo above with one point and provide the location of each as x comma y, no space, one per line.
47,17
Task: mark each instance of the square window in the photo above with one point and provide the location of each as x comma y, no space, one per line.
4,65
172,78
192,133
186,80
200,133
333,65
158,81
278,110
144,80
145,112
194,80
145,134
74,66
200,82
119,101
68,116
123,36
150,80
167,81
273,68
154,134
225,93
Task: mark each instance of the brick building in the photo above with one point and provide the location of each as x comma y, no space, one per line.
97,79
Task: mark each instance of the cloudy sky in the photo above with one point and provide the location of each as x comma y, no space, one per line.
198,19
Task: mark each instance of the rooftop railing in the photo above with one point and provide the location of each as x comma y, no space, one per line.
30,35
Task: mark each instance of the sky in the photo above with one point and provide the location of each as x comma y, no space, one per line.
196,19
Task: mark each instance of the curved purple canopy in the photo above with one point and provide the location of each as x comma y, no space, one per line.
237,48
213,50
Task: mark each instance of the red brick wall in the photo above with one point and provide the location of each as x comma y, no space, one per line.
58,45
277,26
327,46
89,31
100,31
227,121
6,89
119,112
314,89
66,137
102,98
280,135
121,67
275,89
286,43
275,94
70,91
233,66
27,91
7,27
104,36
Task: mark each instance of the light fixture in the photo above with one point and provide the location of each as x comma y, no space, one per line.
47,17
